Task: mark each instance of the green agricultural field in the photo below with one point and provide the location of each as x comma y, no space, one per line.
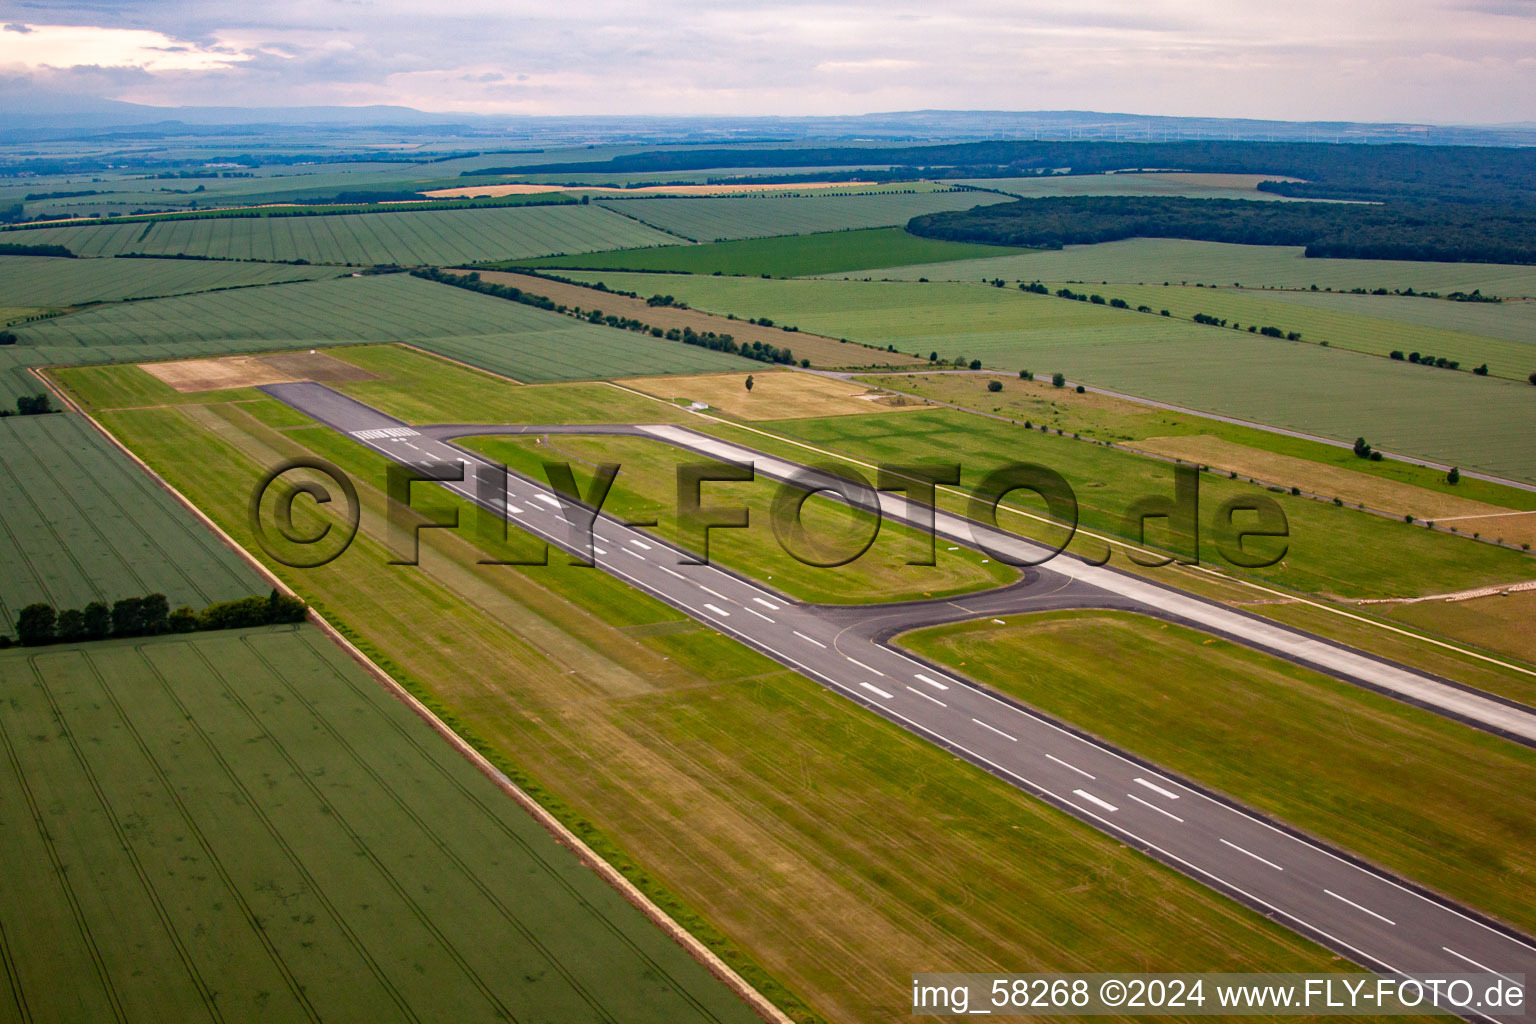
781,256
1451,418
42,281
646,489
83,524
1325,544
245,826
718,218
505,337
1179,261
1402,786
719,770
1511,321
1371,326
408,239
1193,186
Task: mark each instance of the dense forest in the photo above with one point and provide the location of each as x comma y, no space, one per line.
1465,174
1452,232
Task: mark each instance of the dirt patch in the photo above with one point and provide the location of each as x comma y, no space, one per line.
775,394
216,374
822,351
529,189
1319,478
316,366
253,371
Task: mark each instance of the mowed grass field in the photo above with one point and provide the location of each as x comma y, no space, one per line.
408,239
1480,423
646,490
83,524
811,843
719,218
1377,324
1424,796
245,826
505,337
783,255
1325,541
1179,261
51,282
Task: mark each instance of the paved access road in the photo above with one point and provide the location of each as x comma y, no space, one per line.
1379,921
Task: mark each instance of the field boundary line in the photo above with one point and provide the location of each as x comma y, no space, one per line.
712,962
457,362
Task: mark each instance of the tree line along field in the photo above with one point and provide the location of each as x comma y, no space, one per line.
780,255
555,669
1452,418
83,524
43,281
1179,261
247,827
1376,324
720,218
408,239
506,337
1188,185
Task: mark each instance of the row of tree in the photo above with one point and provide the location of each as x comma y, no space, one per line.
1450,232
39,624
32,405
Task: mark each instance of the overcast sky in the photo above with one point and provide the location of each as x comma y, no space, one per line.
1400,60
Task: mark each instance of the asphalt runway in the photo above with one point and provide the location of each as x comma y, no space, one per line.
1379,921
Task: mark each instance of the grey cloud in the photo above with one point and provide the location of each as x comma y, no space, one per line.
16,26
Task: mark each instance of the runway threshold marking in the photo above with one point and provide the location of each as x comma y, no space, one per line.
1154,787
1250,853
1363,910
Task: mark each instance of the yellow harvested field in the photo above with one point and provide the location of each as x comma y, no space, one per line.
775,394
1515,528
1329,481
529,189
1499,623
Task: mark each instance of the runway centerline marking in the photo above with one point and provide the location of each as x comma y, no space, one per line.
995,729
1363,910
807,639
931,682
925,696
1095,800
767,604
640,544
1474,963
759,614
865,667
718,611
872,688
1159,810
1068,764
1250,853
